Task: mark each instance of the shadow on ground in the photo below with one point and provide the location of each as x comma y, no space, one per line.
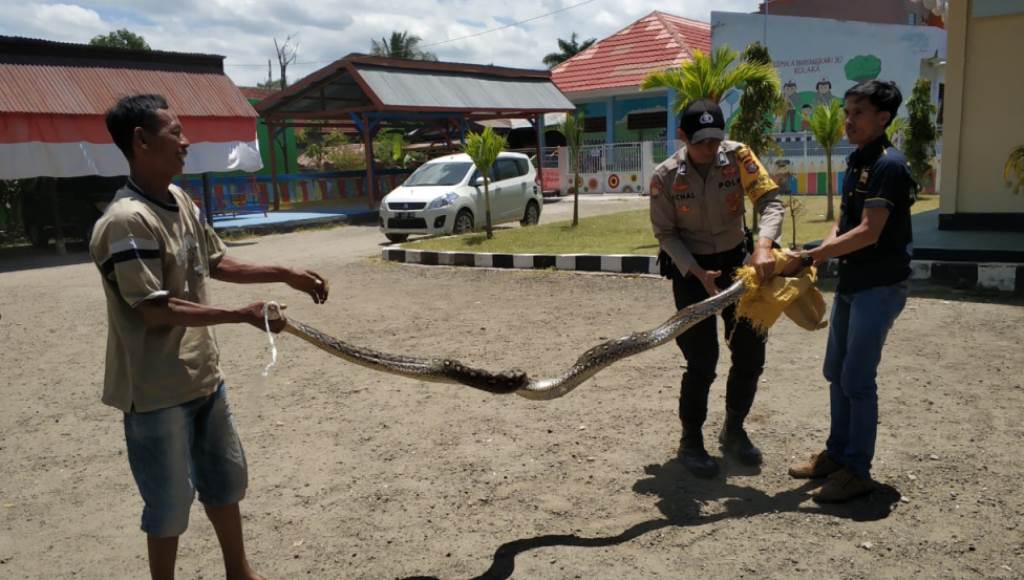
680,499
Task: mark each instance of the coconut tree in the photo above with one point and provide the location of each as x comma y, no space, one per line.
710,76
401,45
827,125
483,148
572,128
566,50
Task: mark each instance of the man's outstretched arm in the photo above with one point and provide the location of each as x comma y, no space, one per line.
236,271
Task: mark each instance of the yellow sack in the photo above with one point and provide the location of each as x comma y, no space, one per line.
797,297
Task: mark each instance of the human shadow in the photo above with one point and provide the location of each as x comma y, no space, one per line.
681,499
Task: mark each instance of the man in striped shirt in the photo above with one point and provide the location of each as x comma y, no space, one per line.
155,254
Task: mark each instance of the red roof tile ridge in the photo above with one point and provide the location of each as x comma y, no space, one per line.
673,32
586,54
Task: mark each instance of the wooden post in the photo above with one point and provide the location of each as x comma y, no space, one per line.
207,205
51,186
371,180
273,166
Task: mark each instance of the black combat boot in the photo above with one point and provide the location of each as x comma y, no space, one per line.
694,457
735,442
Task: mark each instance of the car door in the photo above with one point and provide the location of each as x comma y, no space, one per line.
524,187
478,194
506,188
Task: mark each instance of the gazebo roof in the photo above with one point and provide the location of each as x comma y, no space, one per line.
411,89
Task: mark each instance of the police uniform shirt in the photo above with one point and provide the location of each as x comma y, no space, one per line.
877,175
691,214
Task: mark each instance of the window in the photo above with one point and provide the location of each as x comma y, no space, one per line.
641,121
438,174
507,169
942,101
523,166
594,125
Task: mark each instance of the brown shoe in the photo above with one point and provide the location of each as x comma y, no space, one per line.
843,486
820,465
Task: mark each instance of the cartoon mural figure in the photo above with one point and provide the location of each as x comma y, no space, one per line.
805,118
792,101
824,89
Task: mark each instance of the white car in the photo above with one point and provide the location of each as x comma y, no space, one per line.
446,196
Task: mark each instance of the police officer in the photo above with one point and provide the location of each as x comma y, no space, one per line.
697,213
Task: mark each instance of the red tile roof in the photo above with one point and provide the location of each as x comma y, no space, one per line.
656,41
44,77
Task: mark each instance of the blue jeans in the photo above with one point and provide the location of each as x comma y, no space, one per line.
860,322
176,451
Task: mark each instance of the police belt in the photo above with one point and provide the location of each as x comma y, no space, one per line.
725,261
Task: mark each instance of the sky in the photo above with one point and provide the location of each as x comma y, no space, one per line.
325,30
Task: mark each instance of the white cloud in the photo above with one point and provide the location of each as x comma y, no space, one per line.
243,30
65,22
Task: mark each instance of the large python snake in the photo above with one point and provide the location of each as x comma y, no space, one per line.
443,370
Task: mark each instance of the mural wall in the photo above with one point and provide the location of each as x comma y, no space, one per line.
819,59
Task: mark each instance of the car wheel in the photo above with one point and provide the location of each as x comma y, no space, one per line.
35,236
397,238
463,222
532,215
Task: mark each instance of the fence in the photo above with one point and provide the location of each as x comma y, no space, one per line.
252,193
801,167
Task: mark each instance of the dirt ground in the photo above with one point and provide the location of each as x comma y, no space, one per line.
358,474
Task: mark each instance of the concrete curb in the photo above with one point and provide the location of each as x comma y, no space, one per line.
1000,277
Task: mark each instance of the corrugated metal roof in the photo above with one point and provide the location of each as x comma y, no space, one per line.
453,91
46,77
408,87
68,90
256,92
655,42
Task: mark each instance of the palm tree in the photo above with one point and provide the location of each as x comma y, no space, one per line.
566,50
827,124
1015,165
709,77
572,128
483,148
401,45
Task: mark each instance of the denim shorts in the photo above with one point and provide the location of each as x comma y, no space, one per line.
177,451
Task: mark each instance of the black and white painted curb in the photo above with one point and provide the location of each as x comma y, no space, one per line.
625,264
962,275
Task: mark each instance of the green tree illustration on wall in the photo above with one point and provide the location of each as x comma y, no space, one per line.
862,68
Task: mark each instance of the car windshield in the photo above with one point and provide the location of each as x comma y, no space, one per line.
439,174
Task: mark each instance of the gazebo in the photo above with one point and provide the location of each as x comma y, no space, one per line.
363,94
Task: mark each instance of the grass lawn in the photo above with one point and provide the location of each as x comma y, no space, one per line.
627,232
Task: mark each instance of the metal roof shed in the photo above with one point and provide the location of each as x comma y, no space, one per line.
365,93
54,97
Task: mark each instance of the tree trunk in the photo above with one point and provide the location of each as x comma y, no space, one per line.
576,190
830,213
792,219
487,210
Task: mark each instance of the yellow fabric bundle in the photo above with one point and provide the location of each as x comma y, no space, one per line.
797,297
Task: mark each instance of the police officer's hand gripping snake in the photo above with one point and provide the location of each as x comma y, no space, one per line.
444,370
